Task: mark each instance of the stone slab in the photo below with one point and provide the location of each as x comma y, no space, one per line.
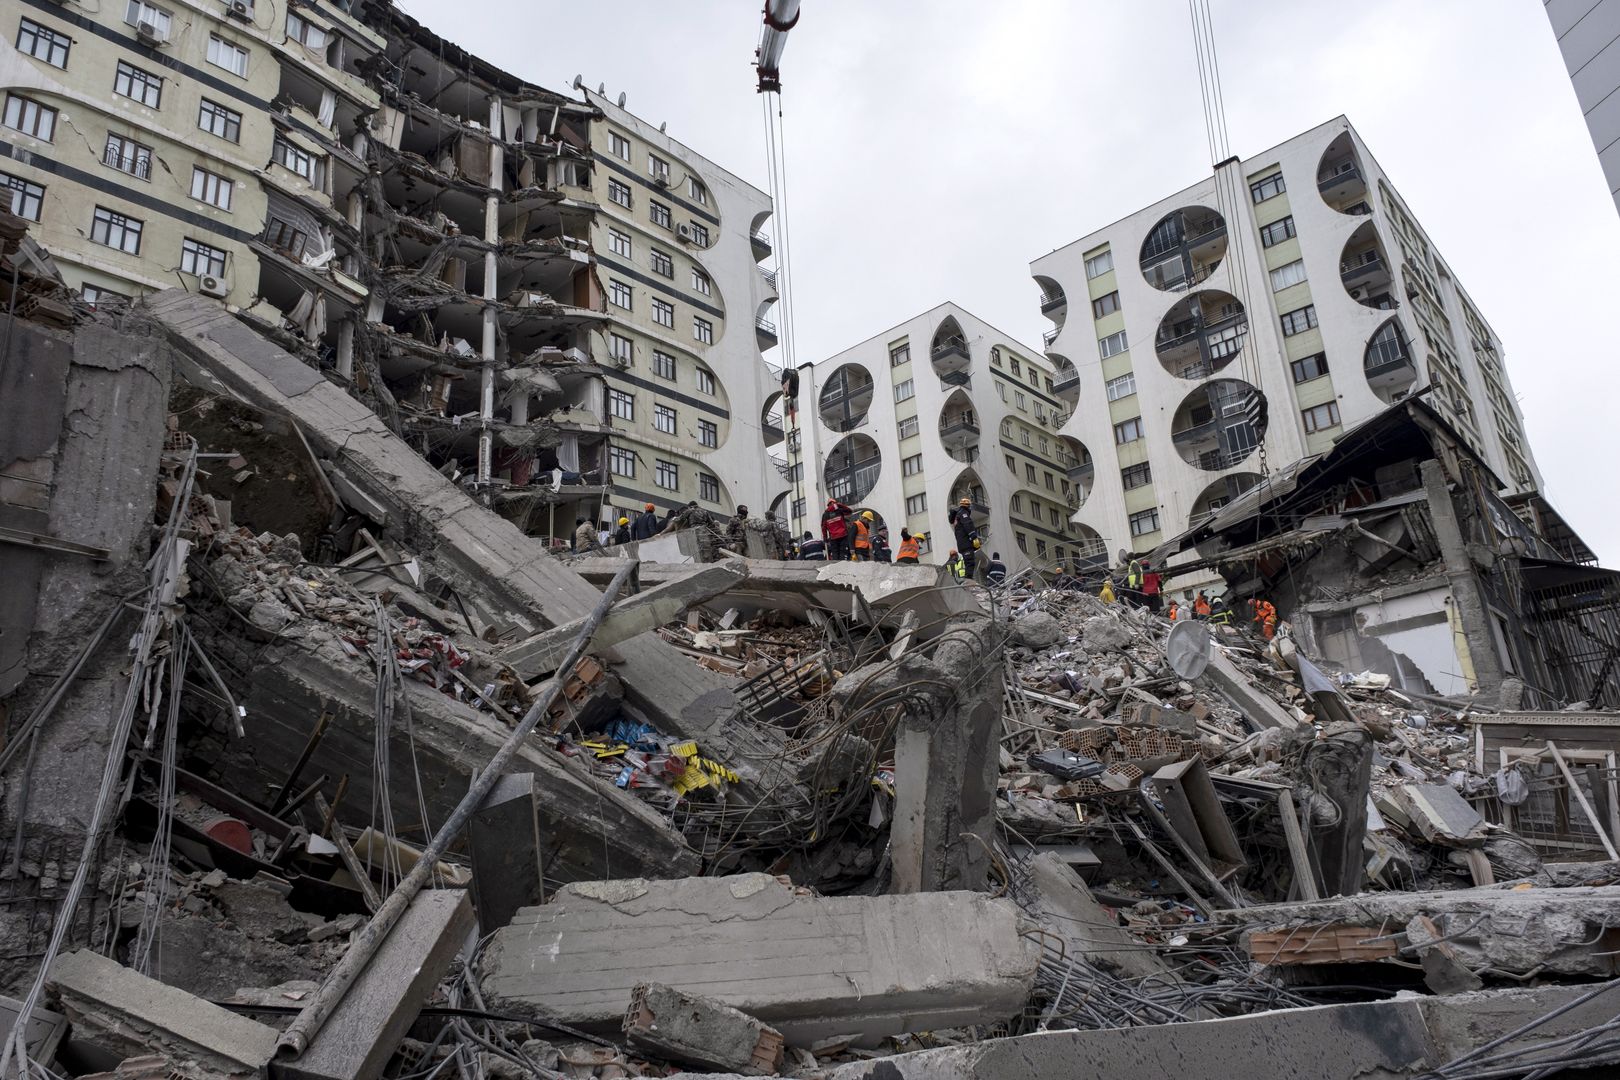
504,838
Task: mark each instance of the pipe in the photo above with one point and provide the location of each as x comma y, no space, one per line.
295,1040
780,17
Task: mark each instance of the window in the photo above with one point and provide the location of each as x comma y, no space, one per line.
1001,391
703,330
216,119
708,433
1128,431
95,294
1050,485
619,192
1029,473
1135,476
1124,386
139,12
1112,344
621,404
1277,231
1046,447
224,54
1099,264
619,146
1017,368
917,504
30,117
995,357
658,167
1290,274
1321,417
1049,388
1310,367
1040,548
1144,522
26,197
619,243
662,264
116,230
701,282
663,312
1018,401
700,235
284,238
1040,414
1052,515
622,462
211,188
305,32
1022,541
43,43
1105,305
667,474
904,390
1270,187
664,418
296,159
621,348
619,293
127,155
708,488
907,427
663,365
697,191
1023,437
660,213
705,382
199,258
1299,320
911,466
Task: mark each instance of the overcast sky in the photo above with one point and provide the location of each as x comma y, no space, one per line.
935,149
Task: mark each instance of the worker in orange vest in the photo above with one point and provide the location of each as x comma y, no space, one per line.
1200,605
1172,611
1265,613
908,548
863,538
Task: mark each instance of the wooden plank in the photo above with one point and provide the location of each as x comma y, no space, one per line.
1324,943
1304,872
1580,797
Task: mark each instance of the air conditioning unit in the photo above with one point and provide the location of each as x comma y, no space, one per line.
1357,294
684,232
148,33
661,179
239,9
209,285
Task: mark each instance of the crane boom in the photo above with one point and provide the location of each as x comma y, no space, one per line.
780,17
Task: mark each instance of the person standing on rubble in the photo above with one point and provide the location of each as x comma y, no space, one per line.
957,567
737,531
960,519
1133,582
811,549
909,548
835,530
1201,605
1150,588
863,537
881,552
1106,593
646,524
622,534
584,536
995,571
1265,613
777,538
1219,613
1173,611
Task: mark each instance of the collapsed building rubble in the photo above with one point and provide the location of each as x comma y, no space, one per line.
388,789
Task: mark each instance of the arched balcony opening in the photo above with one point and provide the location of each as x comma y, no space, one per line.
1184,248
1216,425
846,397
1201,334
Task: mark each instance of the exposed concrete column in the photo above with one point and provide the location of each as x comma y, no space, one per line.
1482,664
492,236
345,349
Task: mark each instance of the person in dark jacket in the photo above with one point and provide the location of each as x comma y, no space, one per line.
646,524
621,535
835,530
996,572
811,548
960,518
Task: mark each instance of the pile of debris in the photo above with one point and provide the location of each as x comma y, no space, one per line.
387,789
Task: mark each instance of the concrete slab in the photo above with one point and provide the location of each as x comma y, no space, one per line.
124,1012
364,1030
1066,909
504,838
668,1023
813,967
1256,706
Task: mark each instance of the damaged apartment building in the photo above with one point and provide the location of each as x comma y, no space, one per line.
558,304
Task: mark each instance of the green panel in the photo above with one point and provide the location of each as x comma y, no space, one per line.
1116,365
1304,344
1295,296
1282,254
1112,323
1139,499
1123,409
1320,442
1133,453
1314,392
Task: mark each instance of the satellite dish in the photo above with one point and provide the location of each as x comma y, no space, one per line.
579,81
662,126
601,88
1187,648
623,97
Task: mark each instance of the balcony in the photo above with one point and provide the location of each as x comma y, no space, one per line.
843,484
765,332
947,351
956,378
771,430
958,432
1081,474
1361,265
1391,366
761,244
136,163
1346,173
770,278
1216,460
1053,304
1196,435
1068,382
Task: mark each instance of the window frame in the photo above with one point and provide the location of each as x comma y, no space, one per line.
307,166
222,185
618,146
200,259
1268,236
621,291
621,404
911,466
1102,302
1125,428
1125,385
228,117
1308,416
700,234
905,390
1268,187
670,470
1100,264
1141,517
309,29
665,365
705,381
107,219
44,116
1288,318
657,166
1298,265
917,504
660,215
701,283
708,434
621,347
702,330
662,263
1316,361
219,47
616,188
22,190
708,487
908,427
138,154
619,243
139,11
696,191
279,234
622,462
663,313
44,36
665,419
1106,349
1135,476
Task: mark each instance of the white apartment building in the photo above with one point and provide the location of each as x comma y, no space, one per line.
1296,283
679,242
940,408
1588,33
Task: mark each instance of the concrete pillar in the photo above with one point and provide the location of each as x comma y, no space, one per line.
492,235
1482,664
345,349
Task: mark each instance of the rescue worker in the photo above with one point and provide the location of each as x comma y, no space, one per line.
909,549
1219,613
1201,605
646,524
584,536
863,537
957,567
995,571
621,535
1106,593
1265,613
960,519
790,396
812,549
1133,575
1150,588
835,530
881,552
776,537
1173,611
737,531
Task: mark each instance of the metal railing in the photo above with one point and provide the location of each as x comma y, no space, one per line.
1341,177
1051,336
961,425
1386,367
769,276
1064,383
953,347
957,378
1197,433
764,325
136,164
760,239
1050,304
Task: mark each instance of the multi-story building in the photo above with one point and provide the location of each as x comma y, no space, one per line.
1588,33
482,259
1243,323
937,409
678,243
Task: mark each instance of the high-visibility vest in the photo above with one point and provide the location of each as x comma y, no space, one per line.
1264,611
1200,606
908,548
958,568
1133,575
863,534
1106,593
1172,611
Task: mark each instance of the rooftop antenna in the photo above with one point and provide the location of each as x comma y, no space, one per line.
601,88
623,97
579,81
662,126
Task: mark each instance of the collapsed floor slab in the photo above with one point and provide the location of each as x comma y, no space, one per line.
813,967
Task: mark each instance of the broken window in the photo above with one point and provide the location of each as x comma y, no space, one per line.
304,32
297,160
285,238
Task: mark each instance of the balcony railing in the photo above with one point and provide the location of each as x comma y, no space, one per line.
1063,384
1215,460
761,242
770,278
1197,433
136,164
1390,366
1343,176
1051,336
765,330
772,431
1360,266
947,349
1050,304
962,425
957,378
860,476
1082,474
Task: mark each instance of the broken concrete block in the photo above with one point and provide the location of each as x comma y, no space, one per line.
1150,715
667,1023
1067,911
1104,634
504,836
1195,812
810,966
1256,706
1035,630
1440,814
128,1014
365,1029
